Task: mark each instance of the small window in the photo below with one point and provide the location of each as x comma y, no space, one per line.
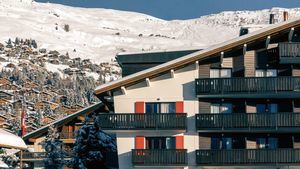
266,73
153,108
220,73
160,143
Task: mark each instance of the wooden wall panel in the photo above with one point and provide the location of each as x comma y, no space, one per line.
296,72
250,144
204,107
227,62
204,142
249,63
204,71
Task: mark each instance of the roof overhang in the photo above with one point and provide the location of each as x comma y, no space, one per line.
200,55
62,121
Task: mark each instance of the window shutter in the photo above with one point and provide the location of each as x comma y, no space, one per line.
139,142
179,107
179,142
139,107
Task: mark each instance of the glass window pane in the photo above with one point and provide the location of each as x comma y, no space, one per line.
225,72
214,108
167,108
214,73
259,73
271,73
215,143
226,108
260,108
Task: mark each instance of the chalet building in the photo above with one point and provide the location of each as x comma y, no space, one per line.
44,104
67,128
232,105
6,95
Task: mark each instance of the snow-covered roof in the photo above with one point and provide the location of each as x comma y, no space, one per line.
200,55
9,140
62,121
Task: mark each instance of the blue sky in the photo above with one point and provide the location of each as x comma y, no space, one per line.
179,9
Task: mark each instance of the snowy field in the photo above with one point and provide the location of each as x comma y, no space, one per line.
98,34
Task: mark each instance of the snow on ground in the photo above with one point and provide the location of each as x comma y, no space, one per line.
56,68
98,34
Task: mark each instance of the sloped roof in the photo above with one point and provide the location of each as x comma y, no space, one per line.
200,55
62,121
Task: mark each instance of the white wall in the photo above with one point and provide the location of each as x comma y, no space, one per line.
162,89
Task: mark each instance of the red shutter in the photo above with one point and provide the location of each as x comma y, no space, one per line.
179,107
179,142
139,142
139,107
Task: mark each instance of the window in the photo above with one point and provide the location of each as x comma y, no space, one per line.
220,73
228,143
160,143
264,108
221,108
152,108
266,73
221,143
267,143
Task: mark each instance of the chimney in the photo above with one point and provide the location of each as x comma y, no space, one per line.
285,16
272,19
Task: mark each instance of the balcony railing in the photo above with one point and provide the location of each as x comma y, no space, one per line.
131,121
248,157
289,53
248,121
237,86
156,157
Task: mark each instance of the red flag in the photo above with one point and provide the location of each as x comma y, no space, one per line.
23,126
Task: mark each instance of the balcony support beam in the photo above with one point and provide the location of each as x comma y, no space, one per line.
244,49
148,83
221,58
172,73
124,91
268,41
291,34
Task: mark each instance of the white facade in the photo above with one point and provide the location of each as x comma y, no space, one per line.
164,88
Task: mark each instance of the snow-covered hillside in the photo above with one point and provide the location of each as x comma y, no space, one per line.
99,34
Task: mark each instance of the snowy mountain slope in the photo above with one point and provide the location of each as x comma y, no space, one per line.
99,34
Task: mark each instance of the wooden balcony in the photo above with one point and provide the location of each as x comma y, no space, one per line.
248,157
248,122
248,87
131,121
289,53
157,157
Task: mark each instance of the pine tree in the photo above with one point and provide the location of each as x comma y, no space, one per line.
54,152
91,146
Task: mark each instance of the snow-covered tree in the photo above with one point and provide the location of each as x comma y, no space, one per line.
54,152
91,146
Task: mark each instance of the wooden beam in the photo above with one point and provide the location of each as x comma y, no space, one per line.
172,73
291,34
197,65
268,41
244,49
148,82
221,58
123,89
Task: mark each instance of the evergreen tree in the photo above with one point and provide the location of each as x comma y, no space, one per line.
54,152
91,146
